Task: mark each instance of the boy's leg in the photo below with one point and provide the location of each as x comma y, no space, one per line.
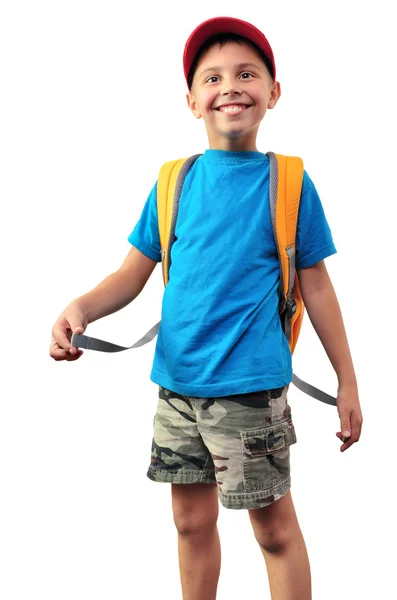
280,539
249,437
195,508
180,457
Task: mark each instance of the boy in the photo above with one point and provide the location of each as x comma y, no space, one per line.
222,361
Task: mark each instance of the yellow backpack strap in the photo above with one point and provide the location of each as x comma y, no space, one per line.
169,188
291,170
286,178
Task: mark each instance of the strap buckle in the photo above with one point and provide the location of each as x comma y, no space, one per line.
290,306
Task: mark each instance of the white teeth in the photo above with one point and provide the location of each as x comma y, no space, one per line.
231,109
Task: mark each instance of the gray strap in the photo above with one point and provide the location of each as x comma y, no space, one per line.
273,186
287,327
90,343
291,277
312,391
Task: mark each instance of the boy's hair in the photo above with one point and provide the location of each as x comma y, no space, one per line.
222,39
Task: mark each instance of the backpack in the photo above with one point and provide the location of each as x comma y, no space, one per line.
286,177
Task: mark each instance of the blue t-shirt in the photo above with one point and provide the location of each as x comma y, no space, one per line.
220,331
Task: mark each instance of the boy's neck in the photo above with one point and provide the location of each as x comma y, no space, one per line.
238,144
233,148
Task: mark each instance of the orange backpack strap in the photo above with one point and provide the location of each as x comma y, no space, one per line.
286,177
290,169
169,188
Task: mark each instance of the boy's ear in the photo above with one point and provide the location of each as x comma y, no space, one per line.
275,95
191,102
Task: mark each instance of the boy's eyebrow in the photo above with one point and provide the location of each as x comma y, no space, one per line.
244,65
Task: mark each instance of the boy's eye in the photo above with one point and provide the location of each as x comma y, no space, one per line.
246,75
211,79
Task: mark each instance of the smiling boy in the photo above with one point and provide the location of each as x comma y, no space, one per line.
222,361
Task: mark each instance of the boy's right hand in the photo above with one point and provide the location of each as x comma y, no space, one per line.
71,321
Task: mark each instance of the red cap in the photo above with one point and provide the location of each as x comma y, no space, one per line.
224,25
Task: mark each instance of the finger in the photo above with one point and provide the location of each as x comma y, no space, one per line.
62,333
347,442
355,428
60,336
346,446
73,350
357,421
58,353
342,437
74,356
345,425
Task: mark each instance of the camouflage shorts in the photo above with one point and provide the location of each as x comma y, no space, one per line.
239,442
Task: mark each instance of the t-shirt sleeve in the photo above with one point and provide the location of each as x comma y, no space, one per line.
314,240
145,235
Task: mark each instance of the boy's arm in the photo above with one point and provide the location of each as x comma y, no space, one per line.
112,294
324,312
119,288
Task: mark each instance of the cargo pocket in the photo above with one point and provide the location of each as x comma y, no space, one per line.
266,455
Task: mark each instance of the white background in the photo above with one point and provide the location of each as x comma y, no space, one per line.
92,102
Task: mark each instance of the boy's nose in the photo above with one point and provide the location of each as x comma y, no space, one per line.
230,87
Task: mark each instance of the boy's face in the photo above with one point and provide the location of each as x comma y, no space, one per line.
232,90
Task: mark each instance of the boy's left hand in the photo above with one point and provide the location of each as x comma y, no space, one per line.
350,415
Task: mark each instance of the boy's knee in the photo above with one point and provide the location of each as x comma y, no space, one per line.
275,526
194,522
274,540
195,513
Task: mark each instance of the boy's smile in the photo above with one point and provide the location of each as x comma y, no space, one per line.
232,90
232,109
